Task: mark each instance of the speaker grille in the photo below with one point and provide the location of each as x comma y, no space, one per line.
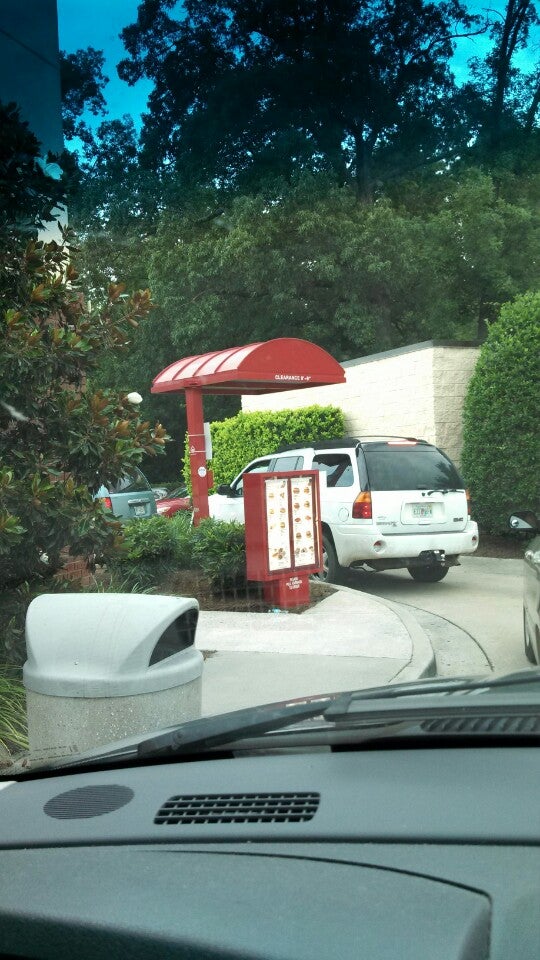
86,802
239,808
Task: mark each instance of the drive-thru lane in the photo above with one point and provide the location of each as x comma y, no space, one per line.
483,596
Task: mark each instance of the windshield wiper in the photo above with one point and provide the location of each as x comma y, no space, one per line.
428,492
344,704
366,715
445,685
193,736
201,735
220,730
442,490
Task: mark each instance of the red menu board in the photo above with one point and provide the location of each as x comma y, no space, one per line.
283,528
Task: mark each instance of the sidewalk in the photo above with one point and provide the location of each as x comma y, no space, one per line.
350,640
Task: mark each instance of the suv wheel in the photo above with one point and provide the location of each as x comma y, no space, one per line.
331,569
428,574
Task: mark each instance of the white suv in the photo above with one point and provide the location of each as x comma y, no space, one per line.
386,502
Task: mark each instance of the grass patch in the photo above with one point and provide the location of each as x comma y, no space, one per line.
13,727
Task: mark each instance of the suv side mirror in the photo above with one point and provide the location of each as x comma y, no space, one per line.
524,520
224,490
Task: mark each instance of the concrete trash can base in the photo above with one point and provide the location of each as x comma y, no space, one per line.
102,667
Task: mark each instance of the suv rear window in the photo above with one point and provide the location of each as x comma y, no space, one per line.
411,468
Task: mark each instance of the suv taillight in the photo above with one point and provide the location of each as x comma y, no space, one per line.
107,502
362,507
469,507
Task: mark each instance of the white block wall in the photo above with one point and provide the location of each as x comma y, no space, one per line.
417,391
453,367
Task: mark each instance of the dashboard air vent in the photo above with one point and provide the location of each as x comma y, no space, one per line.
497,726
239,808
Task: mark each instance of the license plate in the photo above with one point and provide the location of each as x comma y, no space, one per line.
422,510
140,511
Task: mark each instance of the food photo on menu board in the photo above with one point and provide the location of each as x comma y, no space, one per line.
277,518
303,521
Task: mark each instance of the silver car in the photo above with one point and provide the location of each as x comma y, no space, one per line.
531,584
128,498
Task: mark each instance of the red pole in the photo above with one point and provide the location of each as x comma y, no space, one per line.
197,453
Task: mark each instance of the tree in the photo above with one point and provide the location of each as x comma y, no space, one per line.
501,455
353,278
114,206
483,251
314,262
82,84
110,191
244,91
57,436
509,97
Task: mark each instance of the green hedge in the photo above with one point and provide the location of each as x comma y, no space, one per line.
501,451
240,439
219,550
152,549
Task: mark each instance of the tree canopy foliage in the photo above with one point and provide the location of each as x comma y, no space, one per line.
509,97
247,89
353,278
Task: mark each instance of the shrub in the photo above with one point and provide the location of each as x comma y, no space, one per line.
240,439
219,550
153,549
501,453
146,551
182,526
150,539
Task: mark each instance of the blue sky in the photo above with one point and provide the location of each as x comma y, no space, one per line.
97,23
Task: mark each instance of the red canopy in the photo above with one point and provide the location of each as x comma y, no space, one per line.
281,364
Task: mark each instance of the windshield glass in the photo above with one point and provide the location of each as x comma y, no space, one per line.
269,352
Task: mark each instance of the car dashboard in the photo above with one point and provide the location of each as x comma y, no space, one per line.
405,853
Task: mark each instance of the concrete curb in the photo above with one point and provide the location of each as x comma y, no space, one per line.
422,662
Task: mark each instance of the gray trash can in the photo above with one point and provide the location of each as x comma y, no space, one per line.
105,666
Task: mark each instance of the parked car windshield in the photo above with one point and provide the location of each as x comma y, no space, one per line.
236,235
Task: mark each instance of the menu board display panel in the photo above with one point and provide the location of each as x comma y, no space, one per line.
277,519
282,524
303,518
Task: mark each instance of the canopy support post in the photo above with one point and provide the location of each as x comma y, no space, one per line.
197,454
